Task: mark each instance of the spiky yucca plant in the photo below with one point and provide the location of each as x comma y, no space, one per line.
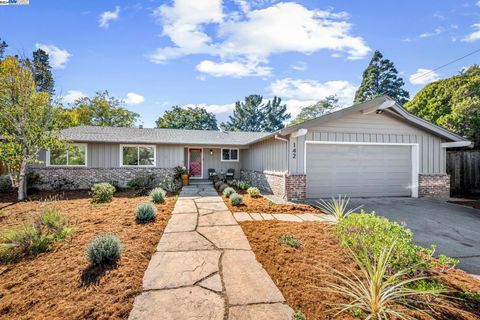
338,208
379,296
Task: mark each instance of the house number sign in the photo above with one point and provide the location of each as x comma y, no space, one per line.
294,151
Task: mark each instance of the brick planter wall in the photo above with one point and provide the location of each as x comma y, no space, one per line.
269,182
296,187
83,178
434,185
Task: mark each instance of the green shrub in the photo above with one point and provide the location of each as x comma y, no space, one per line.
222,187
289,240
55,223
427,285
158,195
228,191
298,315
146,212
104,249
102,192
143,183
170,185
5,184
368,235
253,192
218,184
242,185
469,295
236,199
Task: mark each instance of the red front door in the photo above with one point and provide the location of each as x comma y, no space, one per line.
195,163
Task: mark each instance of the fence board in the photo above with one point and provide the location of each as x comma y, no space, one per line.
464,168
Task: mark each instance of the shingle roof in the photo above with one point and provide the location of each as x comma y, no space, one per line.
164,136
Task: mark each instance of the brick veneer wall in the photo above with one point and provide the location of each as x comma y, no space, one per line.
434,185
83,178
296,187
270,182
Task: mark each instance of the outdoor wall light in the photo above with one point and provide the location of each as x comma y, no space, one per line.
211,152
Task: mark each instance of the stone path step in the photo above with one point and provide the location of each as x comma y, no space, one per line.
300,217
204,268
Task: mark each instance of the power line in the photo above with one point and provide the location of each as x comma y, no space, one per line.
446,64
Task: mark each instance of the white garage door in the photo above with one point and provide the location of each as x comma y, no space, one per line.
358,170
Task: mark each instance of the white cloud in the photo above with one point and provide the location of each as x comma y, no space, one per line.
232,69
106,17
436,32
72,96
134,98
423,76
214,108
478,3
299,66
254,36
58,57
312,90
475,35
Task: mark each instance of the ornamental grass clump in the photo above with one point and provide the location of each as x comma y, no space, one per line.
102,192
253,192
338,208
228,191
242,185
158,195
104,249
236,199
146,212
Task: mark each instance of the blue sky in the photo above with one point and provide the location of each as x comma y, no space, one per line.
155,54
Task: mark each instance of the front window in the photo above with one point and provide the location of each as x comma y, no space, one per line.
229,154
138,156
76,155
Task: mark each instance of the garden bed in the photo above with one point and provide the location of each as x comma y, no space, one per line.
301,273
60,284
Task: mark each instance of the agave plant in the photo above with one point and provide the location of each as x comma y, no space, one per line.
378,295
338,208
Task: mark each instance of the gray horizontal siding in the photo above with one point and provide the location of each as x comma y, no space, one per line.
373,127
268,155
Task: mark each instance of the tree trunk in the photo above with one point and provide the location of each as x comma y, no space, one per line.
22,182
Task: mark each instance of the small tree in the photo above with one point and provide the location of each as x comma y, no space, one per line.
192,118
28,121
319,109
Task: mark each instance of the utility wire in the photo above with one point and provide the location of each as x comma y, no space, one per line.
446,64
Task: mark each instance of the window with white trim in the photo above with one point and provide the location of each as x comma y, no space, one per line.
141,156
76,155
230,154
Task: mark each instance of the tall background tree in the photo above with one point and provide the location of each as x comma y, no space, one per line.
42,73
316,110
452,103
381,78
192,118
3,47
28,120
253,114
101,110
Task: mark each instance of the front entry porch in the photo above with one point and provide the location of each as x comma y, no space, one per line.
199,160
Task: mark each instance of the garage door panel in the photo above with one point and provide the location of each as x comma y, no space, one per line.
358,170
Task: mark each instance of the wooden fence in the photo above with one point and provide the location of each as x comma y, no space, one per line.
464,168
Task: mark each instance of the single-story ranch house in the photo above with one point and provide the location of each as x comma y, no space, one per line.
371,149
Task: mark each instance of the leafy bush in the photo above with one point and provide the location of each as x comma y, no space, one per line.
104,249
253,192
236,199
102,192
143,183
170,185
146,212
289,240
179,170
158,195
222,187
447,263
36,237
5,184
298,315
228,191
368,235
242,185
218,184
338,208
469,295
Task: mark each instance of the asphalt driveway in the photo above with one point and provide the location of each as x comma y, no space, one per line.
453,228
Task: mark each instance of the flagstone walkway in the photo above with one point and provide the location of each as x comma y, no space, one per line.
204,268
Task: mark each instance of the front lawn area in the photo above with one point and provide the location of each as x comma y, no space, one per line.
61,284
302,271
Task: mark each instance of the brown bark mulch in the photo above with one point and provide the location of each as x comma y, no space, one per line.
300,274
60,284
263,205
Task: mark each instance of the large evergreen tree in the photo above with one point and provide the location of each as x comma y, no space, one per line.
192,118
42,72
253,115
316,110
3,47
452,103
381,78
